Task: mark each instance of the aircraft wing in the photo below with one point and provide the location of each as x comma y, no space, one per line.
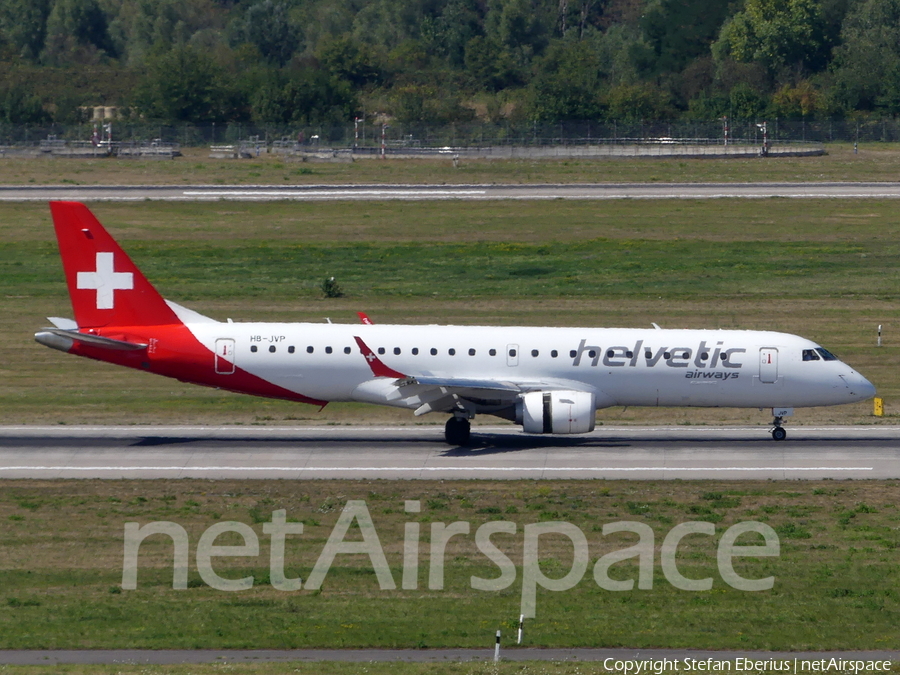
432,393
463,383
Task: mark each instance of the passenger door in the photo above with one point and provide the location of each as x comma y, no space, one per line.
768,365
225,356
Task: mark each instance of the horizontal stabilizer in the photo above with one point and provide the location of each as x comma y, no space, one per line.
65,324
46,336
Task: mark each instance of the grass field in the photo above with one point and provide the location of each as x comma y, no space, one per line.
823,269
61,557
331,668
874,161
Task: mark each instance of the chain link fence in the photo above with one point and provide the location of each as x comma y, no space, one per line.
398,135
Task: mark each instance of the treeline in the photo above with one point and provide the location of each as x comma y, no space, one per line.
442,61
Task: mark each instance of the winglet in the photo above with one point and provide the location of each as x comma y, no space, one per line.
378,368
364,318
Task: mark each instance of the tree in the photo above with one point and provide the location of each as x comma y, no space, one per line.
568,83
77,31
18,103
678,31
346,58
520,27
796,102
187,85
774,33
448,34
23,25
304,97
745,103
488,65
268,25
138,27
638,102
867,65
412,104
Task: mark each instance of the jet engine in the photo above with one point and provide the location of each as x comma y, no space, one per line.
556,412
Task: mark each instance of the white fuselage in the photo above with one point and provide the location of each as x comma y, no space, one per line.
621,366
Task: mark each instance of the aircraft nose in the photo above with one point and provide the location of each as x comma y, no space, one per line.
859,387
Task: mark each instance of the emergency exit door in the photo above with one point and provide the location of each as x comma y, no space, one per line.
512,355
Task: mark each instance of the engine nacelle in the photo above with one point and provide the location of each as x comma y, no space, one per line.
556,412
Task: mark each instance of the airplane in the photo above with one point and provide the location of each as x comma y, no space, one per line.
548,380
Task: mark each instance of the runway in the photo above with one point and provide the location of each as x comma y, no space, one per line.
419,452
94,193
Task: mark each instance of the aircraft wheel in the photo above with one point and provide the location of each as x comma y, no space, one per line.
779,434
457,430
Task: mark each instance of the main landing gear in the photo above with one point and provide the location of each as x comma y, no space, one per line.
457,431
778,433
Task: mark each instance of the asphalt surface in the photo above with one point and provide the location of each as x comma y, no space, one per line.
419,452
92,193
173,656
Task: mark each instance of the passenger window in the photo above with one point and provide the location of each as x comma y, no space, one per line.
253,348
554,354
492,352
347,350
648,354
592,353
704,356
534,352
433,351
512,352
629,354
310,350
572,353
328,350
272,348
381,350
667,356
397,351
610,354
415,351
471,352
291,349
451,351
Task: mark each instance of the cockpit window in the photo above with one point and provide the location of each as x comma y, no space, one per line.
810,355
826,355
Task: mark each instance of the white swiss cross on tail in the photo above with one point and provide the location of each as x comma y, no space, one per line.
105,281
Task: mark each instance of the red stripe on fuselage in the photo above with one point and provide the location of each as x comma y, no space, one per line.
173,351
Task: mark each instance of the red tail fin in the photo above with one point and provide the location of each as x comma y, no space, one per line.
106,288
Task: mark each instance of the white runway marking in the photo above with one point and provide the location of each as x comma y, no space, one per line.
346,194
435,468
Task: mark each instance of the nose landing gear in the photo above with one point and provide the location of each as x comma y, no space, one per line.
457,430
778,432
